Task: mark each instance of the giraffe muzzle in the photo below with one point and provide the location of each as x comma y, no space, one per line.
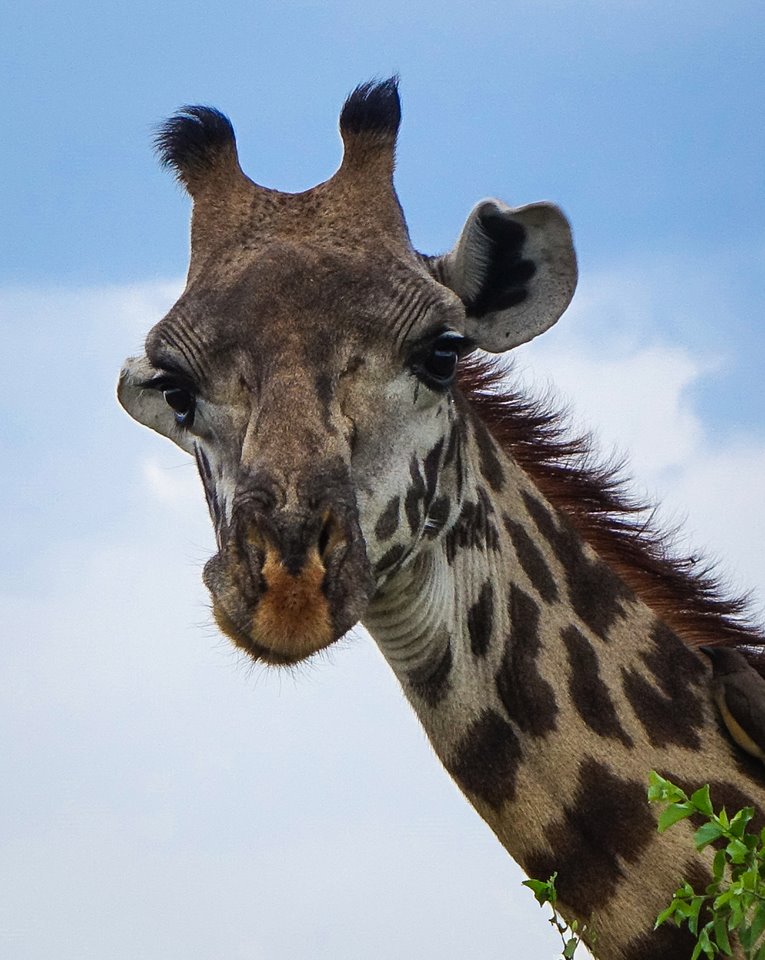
286,586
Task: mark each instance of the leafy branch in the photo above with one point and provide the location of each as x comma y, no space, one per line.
544,892
734,901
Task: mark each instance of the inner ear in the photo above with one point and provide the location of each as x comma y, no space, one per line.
501,271
513,269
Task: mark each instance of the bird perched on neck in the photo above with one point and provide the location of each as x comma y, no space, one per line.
739,692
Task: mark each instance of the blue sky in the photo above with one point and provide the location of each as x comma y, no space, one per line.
166,801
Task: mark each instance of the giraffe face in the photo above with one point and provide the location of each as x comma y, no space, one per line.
308,367
314,392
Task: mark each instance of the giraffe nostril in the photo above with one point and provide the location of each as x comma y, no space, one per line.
325,535
331,536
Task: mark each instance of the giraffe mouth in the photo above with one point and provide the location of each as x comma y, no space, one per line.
280,612
245,642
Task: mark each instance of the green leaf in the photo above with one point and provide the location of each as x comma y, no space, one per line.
750,879
718,865
540,889
685,909
702,802
674,813
721,935
758,924
568,950
744,932
740,820
706,945
663,791
725,897
706,834
737,851
693,914
665,915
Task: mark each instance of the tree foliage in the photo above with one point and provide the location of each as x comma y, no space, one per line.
571,934
730,909
733,904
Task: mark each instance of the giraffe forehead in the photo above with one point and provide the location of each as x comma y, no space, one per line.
304,301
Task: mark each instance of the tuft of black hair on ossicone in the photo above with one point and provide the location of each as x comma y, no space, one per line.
191,140
373,108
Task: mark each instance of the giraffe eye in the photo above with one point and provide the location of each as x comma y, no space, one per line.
437,364
182,403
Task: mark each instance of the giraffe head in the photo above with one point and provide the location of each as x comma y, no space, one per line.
308,366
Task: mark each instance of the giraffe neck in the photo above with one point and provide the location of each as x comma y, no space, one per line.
549,691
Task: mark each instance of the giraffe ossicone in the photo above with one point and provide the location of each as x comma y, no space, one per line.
363,462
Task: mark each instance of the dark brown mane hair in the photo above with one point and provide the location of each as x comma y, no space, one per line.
683,591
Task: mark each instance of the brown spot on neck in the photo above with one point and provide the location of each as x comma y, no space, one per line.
606,824
589,693
486,761
525,694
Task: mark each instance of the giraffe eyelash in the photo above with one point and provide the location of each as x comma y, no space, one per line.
168,381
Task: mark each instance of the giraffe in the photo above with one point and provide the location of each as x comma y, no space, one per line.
363,459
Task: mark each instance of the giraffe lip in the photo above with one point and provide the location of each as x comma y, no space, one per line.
245,641
268,656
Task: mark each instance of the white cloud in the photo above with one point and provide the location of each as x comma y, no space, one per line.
638,402
173,481
721,490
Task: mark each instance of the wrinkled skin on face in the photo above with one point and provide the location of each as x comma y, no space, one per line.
307,415
308,368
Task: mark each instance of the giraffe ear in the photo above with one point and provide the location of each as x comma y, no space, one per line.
514,269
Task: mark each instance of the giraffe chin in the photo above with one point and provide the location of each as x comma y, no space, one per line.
278,648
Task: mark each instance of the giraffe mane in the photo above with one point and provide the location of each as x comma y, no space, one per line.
683,590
